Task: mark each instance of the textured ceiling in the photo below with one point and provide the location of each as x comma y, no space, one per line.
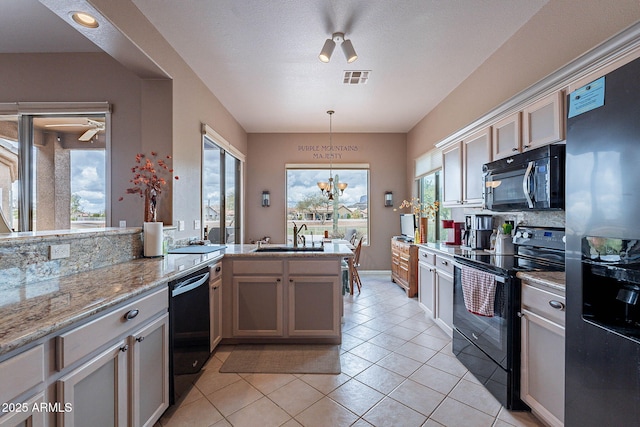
260,58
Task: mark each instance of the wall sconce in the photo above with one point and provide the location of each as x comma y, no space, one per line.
265,199
388,199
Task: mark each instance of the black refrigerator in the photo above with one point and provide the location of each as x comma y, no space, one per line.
603,251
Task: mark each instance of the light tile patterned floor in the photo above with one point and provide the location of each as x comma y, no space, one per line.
397,370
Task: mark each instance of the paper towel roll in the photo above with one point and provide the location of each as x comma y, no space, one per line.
153,237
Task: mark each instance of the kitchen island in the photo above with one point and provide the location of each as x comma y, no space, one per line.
282,294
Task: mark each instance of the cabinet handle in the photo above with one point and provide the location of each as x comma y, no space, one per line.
519,314
527,146
124,348
277,280
218,269
290,280
514,149
131,314
140,339
556,304
444,262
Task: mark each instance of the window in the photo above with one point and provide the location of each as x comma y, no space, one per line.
53,171
346,215
221,180
430,190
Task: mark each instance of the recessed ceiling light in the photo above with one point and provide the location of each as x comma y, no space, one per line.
84,19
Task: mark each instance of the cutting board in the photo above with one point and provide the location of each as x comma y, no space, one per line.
197,249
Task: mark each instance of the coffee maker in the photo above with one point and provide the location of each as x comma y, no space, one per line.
477,231
454,231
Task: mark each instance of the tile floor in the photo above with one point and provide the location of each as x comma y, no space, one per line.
397,370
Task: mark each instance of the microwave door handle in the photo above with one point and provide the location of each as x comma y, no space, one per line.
526,186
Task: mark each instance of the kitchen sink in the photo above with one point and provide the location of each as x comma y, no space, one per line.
289,249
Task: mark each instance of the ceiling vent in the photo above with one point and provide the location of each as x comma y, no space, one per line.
356,77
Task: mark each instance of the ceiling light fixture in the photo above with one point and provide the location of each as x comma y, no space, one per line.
84,19
329,189
330,44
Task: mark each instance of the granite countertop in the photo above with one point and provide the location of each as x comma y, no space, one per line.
444,248
550,279
34,310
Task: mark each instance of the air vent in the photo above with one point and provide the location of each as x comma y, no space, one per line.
356,77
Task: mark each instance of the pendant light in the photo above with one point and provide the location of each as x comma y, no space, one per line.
327,187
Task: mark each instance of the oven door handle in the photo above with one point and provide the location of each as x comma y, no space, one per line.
189,284
525,185
499,279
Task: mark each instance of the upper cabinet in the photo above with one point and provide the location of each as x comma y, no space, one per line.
507,138
452,173
476,152
540,123
462,169
543,122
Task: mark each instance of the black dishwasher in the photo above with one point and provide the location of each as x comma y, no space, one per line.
189,331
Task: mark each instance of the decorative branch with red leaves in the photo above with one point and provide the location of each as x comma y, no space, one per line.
149,175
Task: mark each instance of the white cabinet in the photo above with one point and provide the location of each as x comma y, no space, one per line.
215,305
462,169
444,293
542,352
543,121
258,306
477,152
21,374
126,383
97,390
452,173
435,287
507,136
149,368
426,281
286,299
22,414
311,299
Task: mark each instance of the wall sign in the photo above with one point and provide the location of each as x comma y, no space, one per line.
327,152
587,98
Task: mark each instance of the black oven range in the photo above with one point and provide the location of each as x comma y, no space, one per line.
486,333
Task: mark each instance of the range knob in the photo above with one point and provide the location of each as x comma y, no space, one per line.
518,234
527,234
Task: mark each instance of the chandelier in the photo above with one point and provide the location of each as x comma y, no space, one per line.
328,188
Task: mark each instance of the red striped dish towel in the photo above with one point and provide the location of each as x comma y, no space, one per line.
479,291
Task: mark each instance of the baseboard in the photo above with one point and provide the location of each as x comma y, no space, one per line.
375,272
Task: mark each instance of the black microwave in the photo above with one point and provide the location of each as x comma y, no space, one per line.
533,180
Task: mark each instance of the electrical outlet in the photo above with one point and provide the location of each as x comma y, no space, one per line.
196,224
59,251
123,223
180,225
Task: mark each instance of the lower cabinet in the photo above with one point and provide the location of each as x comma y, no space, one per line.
215,305
149,367
309,298
444,297
435,282
542,371
258,306
22,374
124,384
427,282
25,414
97,390
286,299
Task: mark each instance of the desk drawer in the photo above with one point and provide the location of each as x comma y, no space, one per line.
83,340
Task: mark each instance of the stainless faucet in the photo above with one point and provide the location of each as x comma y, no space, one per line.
297,230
